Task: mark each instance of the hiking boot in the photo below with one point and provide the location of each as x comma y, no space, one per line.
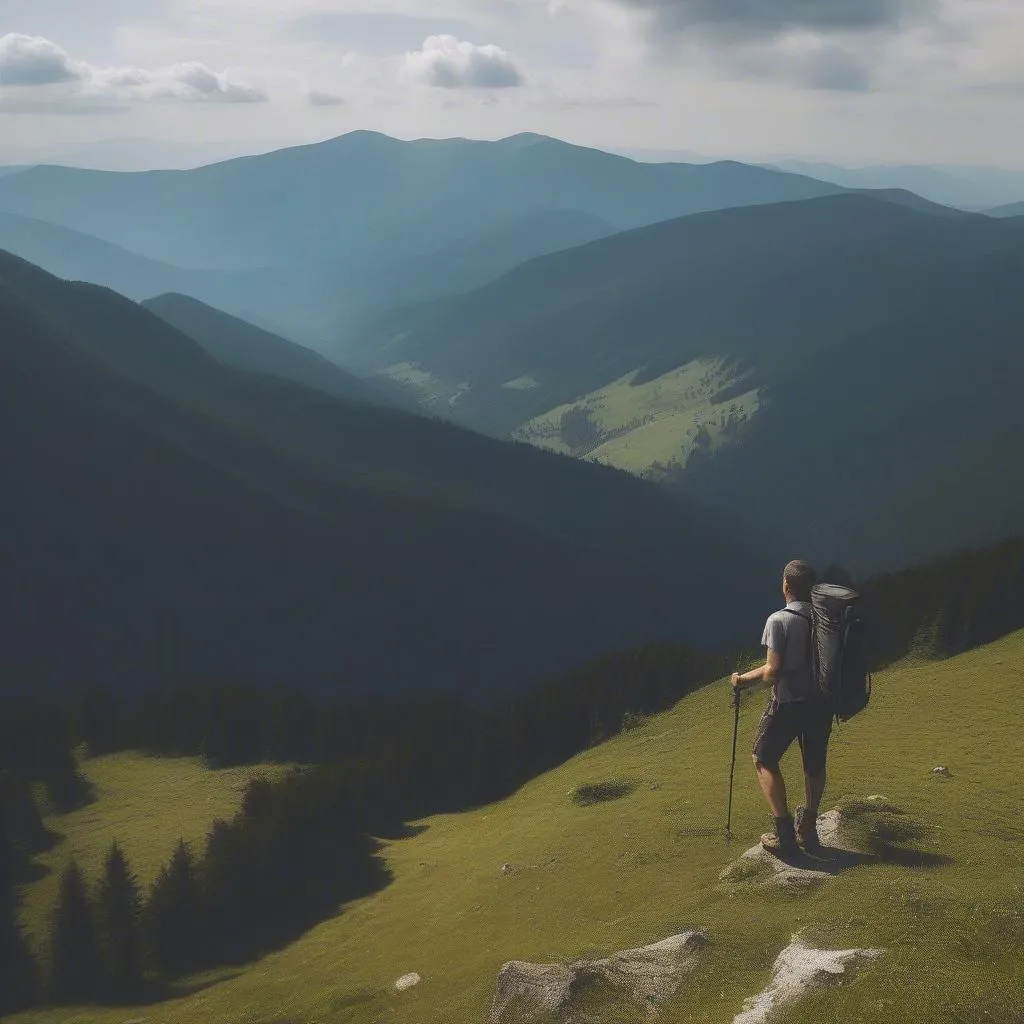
807,830
781,841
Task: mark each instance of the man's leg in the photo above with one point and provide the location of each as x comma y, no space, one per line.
774,788
814,739
814,789
775,733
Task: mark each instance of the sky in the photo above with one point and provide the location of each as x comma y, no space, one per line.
851,81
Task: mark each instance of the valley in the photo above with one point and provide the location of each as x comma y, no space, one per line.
383,521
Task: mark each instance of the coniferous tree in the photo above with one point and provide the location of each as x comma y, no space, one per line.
119,910
17,967
174,920
74,954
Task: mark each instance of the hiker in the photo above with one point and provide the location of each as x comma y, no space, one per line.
796,711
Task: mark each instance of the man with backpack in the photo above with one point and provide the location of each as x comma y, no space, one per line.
797,711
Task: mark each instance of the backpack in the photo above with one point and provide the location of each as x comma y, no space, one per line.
839,649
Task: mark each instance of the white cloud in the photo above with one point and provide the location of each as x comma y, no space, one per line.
189,82
321,98
447,63
33,60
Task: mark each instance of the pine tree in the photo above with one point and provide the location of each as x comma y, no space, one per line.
119,908
17,968
174,923
74,956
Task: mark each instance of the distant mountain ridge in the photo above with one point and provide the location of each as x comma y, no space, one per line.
1010,210
710,283
969,188
736,309
332,221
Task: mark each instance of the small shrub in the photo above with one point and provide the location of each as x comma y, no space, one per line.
634,720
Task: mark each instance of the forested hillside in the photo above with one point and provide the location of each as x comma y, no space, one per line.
296,845
243,345
172,519
839,329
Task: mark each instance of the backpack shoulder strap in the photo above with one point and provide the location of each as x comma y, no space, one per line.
791,611
810,640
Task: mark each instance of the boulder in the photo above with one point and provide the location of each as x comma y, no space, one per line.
799,969
407,981
527,992
802,870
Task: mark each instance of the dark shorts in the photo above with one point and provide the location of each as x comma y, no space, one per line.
809,722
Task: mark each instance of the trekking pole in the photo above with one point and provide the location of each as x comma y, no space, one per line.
732,767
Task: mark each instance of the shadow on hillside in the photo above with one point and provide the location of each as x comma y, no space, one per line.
183,989
402,831
32,871
915,858
832,860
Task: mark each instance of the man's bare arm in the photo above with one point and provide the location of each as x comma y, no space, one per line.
766,675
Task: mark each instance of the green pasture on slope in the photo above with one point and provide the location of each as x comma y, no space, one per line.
588,880
658,420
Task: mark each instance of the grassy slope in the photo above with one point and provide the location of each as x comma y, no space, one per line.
144,803
619,874
654,421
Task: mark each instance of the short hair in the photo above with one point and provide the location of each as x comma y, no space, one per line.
800,576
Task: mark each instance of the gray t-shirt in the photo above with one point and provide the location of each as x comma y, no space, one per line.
789,636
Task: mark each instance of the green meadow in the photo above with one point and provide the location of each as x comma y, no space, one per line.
638,424
947,907
146,804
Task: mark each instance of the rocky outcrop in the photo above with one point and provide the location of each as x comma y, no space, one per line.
800,969
767,870
528,993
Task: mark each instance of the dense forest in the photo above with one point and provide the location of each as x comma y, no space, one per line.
302,846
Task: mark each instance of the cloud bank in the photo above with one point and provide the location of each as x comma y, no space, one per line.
32,61
446,63
744,19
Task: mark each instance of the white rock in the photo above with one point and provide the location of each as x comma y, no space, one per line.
407,981
528,992
942,770
797,970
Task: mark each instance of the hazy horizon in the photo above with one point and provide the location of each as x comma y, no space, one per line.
850,83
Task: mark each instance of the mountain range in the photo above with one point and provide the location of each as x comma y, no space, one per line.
970,188
318,237
168,518
726,313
